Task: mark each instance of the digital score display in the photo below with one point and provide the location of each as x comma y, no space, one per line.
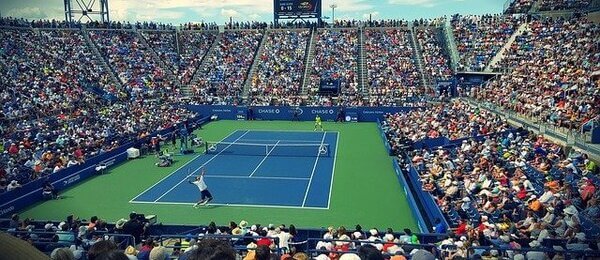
297,7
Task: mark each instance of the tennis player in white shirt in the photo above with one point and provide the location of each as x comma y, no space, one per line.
205,195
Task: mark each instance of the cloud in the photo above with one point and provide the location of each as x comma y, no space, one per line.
258,6
371,14
254,17
348,5
424,3
160,15
27,12
229,13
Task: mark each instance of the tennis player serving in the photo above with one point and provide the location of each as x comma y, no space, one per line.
205,195
318,123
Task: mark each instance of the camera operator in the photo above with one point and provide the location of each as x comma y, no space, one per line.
134,227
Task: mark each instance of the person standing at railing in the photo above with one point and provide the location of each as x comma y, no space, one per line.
205,195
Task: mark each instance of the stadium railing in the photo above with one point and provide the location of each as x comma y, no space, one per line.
406,248
431,211
412,202
384,138
237,242
47,241
569,254
568,137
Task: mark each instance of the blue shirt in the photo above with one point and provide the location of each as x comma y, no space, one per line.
440,228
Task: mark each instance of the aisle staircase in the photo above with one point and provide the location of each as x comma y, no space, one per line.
187,89
308,61
252,70
500,54
99,59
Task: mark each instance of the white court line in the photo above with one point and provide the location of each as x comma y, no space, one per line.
337,140
313,170
282,130
278,140
209,160
227,205
257,177
263,160
190,161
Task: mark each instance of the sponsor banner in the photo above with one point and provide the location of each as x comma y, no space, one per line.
304,113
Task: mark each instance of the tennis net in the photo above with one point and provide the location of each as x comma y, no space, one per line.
257,149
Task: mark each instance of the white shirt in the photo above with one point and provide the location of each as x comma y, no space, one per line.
12,186
284,239
200,183
546,197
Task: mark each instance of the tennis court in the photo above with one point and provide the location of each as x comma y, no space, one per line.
256,168
365,188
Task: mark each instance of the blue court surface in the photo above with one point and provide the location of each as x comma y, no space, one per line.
286,169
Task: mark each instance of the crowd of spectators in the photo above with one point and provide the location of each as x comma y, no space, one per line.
134,238
278,76
551,66
199,26
249,25
387,23
164,43
40,147
515,192
392,73
54,110
222,79
46,73
193,48
552,5
127,25
519,6
336,57
21,22
132,62
435,58
454,121
61,24
479,37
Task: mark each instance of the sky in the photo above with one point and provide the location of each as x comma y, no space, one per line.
219,11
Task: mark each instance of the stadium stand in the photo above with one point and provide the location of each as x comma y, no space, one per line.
335,59
513,190
437,62
480,37
519,6
393,76
139,73
551,5
455,120
563,96
224,74
183,52
278,78
52,63
194,47
503,191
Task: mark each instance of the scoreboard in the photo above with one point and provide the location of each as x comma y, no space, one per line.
298,8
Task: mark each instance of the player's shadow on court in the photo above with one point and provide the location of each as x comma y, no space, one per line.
213,206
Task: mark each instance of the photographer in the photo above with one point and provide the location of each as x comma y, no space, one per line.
134,227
